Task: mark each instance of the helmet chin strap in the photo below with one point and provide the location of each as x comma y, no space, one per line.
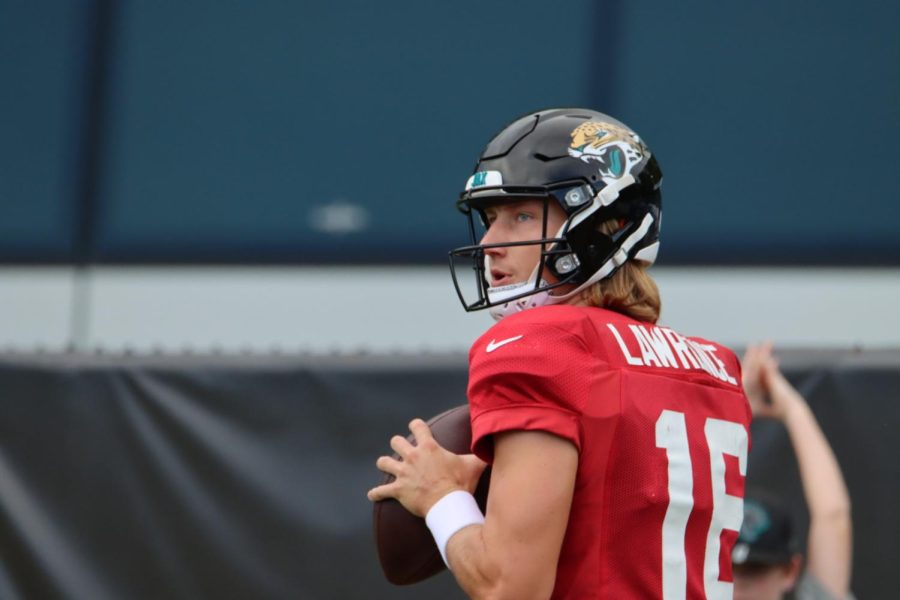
544,297
539,298
497,295
513,306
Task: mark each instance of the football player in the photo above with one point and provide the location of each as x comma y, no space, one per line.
618,447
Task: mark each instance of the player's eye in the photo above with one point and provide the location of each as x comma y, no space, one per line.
522,217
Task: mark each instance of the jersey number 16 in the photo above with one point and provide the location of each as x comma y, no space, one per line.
722,437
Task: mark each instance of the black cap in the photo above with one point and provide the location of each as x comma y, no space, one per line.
766,536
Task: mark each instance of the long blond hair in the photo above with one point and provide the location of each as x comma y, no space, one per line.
630,290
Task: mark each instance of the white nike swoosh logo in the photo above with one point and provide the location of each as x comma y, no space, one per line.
493,345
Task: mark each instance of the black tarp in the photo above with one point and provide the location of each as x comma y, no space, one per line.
245,476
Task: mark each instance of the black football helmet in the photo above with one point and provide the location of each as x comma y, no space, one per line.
596,169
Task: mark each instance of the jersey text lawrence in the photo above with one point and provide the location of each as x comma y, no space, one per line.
658,346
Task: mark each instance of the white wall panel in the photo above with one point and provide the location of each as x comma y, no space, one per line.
410,309
35,307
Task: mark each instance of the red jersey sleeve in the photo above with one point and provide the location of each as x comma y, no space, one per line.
528,373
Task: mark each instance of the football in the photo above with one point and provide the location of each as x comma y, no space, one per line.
406,550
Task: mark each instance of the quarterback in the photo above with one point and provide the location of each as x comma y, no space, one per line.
618,447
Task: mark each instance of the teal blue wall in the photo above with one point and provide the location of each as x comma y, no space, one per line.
777,124
41,105
232,124
228,126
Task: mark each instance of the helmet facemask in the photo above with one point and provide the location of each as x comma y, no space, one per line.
557,264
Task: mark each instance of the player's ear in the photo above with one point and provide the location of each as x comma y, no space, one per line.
792,572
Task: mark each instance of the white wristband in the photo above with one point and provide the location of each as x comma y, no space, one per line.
450,514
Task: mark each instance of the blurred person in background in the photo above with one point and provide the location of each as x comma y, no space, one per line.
766,561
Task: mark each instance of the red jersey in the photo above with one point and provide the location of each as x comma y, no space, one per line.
661,425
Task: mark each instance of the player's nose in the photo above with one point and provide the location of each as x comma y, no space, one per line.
493,236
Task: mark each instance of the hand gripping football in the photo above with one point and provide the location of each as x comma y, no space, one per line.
407,552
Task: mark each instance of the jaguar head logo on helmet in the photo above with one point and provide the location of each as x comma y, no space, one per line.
616,149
